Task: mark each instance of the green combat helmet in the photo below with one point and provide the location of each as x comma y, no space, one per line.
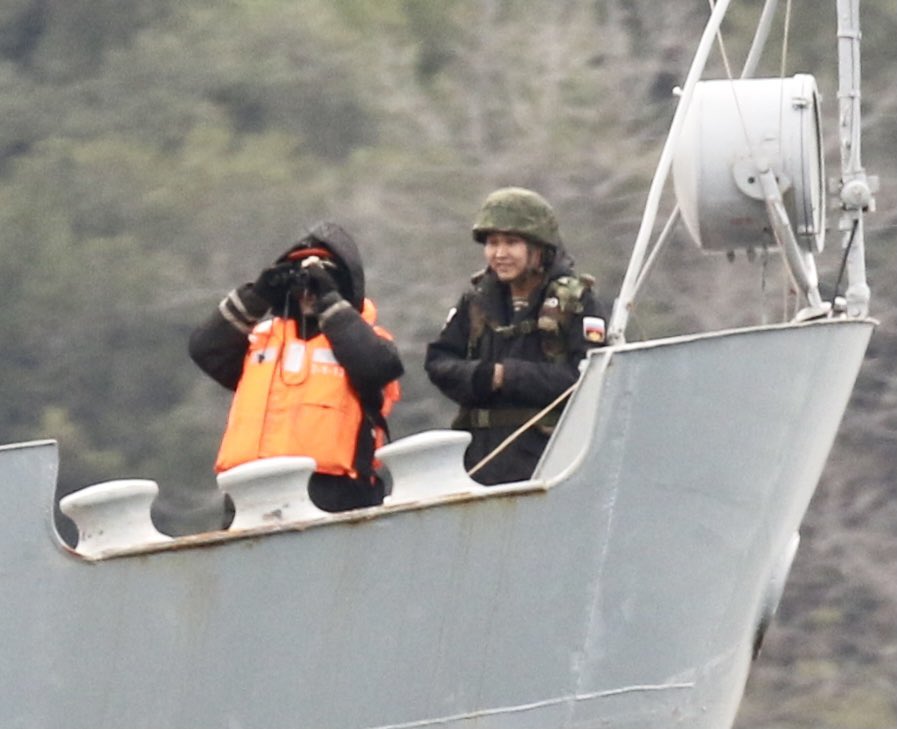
517,210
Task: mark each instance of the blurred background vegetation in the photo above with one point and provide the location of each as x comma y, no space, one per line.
155,154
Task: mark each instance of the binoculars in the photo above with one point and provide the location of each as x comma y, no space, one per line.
299,278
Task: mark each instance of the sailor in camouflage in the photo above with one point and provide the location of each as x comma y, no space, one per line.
513,343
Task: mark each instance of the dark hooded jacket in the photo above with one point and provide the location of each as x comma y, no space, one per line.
538,367
218,346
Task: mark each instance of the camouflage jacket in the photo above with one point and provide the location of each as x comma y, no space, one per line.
539,347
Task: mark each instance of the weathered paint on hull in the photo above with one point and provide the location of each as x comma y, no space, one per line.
621,589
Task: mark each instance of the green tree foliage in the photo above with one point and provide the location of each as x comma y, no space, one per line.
62,40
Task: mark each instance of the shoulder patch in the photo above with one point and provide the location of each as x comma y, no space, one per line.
593,329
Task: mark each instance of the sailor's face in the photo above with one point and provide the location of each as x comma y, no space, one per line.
510,256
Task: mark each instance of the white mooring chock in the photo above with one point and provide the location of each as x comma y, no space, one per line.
113,515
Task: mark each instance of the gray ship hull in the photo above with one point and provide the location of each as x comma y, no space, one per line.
622,587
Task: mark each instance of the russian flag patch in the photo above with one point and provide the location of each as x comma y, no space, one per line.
593,329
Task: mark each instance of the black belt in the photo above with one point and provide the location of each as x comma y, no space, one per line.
472,418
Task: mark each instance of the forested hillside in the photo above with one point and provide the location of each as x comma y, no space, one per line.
155,154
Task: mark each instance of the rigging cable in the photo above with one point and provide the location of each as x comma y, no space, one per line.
785,32
516,434
765,19
761,35
750,66
853,232
620,313
722,47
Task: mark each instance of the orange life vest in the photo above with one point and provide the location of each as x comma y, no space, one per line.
294,399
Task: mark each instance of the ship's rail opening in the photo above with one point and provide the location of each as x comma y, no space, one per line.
270,495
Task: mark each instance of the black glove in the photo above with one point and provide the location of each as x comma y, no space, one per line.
320,282
482,380
273,283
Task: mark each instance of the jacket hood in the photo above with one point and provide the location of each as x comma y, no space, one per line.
345,252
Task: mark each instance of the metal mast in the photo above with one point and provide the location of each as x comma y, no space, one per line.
623,304
856,188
